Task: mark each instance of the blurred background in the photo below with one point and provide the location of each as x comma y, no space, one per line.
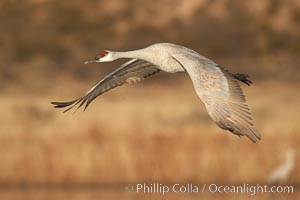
153,131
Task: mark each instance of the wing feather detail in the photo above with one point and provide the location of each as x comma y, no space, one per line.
130,72
222,95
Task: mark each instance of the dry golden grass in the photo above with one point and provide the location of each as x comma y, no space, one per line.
144,133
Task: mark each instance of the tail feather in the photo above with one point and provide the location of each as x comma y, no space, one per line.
243,78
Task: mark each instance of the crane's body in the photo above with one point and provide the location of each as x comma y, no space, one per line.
216,87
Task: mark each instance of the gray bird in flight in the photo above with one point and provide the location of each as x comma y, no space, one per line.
217,88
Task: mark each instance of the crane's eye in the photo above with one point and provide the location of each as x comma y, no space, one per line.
103,53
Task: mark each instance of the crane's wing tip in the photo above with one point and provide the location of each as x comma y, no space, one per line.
63,104
250,132
69,105
253,135
57,104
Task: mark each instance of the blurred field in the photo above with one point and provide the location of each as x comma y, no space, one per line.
129,136
132,136
154,131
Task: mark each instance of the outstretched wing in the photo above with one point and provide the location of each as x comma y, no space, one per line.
130,72
222,96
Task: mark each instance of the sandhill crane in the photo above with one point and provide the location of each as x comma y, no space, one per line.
216,87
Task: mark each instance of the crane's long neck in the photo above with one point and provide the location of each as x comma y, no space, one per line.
138,54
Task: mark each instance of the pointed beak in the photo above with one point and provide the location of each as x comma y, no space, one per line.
89,61
92,60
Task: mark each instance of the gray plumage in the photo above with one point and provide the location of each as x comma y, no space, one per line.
216,87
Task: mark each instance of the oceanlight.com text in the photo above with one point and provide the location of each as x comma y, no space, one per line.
159,188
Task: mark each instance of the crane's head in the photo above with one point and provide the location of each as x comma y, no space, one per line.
103,56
